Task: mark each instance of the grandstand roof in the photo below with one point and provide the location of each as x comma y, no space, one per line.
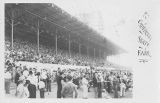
61,20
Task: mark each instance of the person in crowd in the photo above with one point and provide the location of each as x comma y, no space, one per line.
129,85
115,87
48,80
44,77
59,79
7,77
22,89
13,73
99,85
76,80
63,81
89,81
25,72
59,70
31,89
26,91
69,89
95,84
17,76
32,85
38,78
109,84
122,88
85,87
125,78
105,81
41,85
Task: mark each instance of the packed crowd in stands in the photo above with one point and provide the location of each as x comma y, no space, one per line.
27,51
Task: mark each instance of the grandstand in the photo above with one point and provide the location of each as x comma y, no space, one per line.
45,46
46,33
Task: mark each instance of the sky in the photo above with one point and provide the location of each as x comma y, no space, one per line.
114,19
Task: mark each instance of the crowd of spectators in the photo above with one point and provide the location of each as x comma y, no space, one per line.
112,82
24,50
105,83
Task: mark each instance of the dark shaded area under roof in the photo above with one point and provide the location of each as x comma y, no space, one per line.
55,20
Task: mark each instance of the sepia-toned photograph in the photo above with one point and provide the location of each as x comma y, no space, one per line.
57,50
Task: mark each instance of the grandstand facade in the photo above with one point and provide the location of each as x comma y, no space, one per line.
47,24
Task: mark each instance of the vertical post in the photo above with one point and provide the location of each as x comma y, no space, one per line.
102,54
38,36
56,42
69,46
12,24
80,49
99,53
87,52
94,53
79,46
107,58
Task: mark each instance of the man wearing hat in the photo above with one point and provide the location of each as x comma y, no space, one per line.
69,89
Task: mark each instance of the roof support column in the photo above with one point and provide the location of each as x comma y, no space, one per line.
12,28
103,54
94,53
87,52
99,54
38,36
79,49
12,24
56,44
69,46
